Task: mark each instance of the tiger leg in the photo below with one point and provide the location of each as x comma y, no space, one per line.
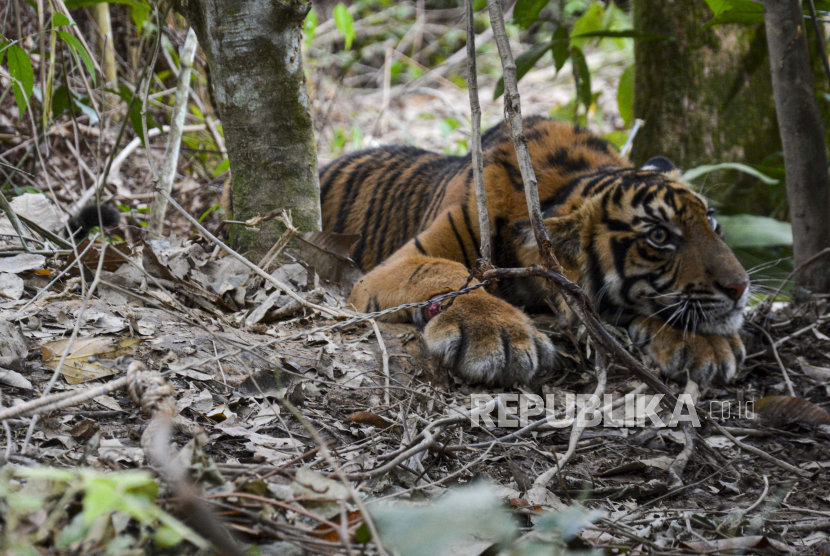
482,337
706,358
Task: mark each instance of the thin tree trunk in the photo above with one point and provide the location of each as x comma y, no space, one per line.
253,49
174,139
802,135
101,13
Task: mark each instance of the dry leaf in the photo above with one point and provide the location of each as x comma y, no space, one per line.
11,286
77,369
787,409
330,255
368,418
15,379
22,263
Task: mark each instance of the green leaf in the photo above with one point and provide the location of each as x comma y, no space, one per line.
345,23
589,22
76,47
524,63
223,167
527,12
745,12
362,534
72,4
623,34
23,78
58,20
581,68
167,537
135,113
479,5
625,95
138,13
694,173
560,47
310,25
748,230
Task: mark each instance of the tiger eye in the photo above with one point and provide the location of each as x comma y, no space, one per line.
658,235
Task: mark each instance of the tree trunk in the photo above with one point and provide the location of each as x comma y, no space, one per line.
802,134
253,49
705,95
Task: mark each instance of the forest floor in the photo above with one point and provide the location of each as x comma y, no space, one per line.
295,423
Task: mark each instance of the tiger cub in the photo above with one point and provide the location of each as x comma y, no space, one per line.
644,246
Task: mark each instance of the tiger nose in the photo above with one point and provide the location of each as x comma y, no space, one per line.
735,291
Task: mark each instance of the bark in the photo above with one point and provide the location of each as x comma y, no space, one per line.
253,49
705,95
802,135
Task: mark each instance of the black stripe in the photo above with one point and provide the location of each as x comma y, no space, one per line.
420,247
463,345
372,216
328,174
469,225
417,270
458,239
505,344
353,185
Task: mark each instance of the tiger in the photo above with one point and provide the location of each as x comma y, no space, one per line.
645,247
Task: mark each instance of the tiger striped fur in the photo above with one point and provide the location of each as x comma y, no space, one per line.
643,245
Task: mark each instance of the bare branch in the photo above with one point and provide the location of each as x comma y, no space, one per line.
475,145
174,139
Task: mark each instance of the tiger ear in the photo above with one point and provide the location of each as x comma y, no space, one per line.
659,164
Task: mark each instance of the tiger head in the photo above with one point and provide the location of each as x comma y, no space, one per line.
643,244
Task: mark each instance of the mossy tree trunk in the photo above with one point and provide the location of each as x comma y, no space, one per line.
705,94
253,49
802,134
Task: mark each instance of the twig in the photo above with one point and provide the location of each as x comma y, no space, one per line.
384,358
282,242
679,463
261,273
18,227
579,426
513,115
799,268
766,480
475,144
148,78
629,142
777,358
174,139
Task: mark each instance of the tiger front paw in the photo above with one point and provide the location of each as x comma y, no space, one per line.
706,358
487,340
